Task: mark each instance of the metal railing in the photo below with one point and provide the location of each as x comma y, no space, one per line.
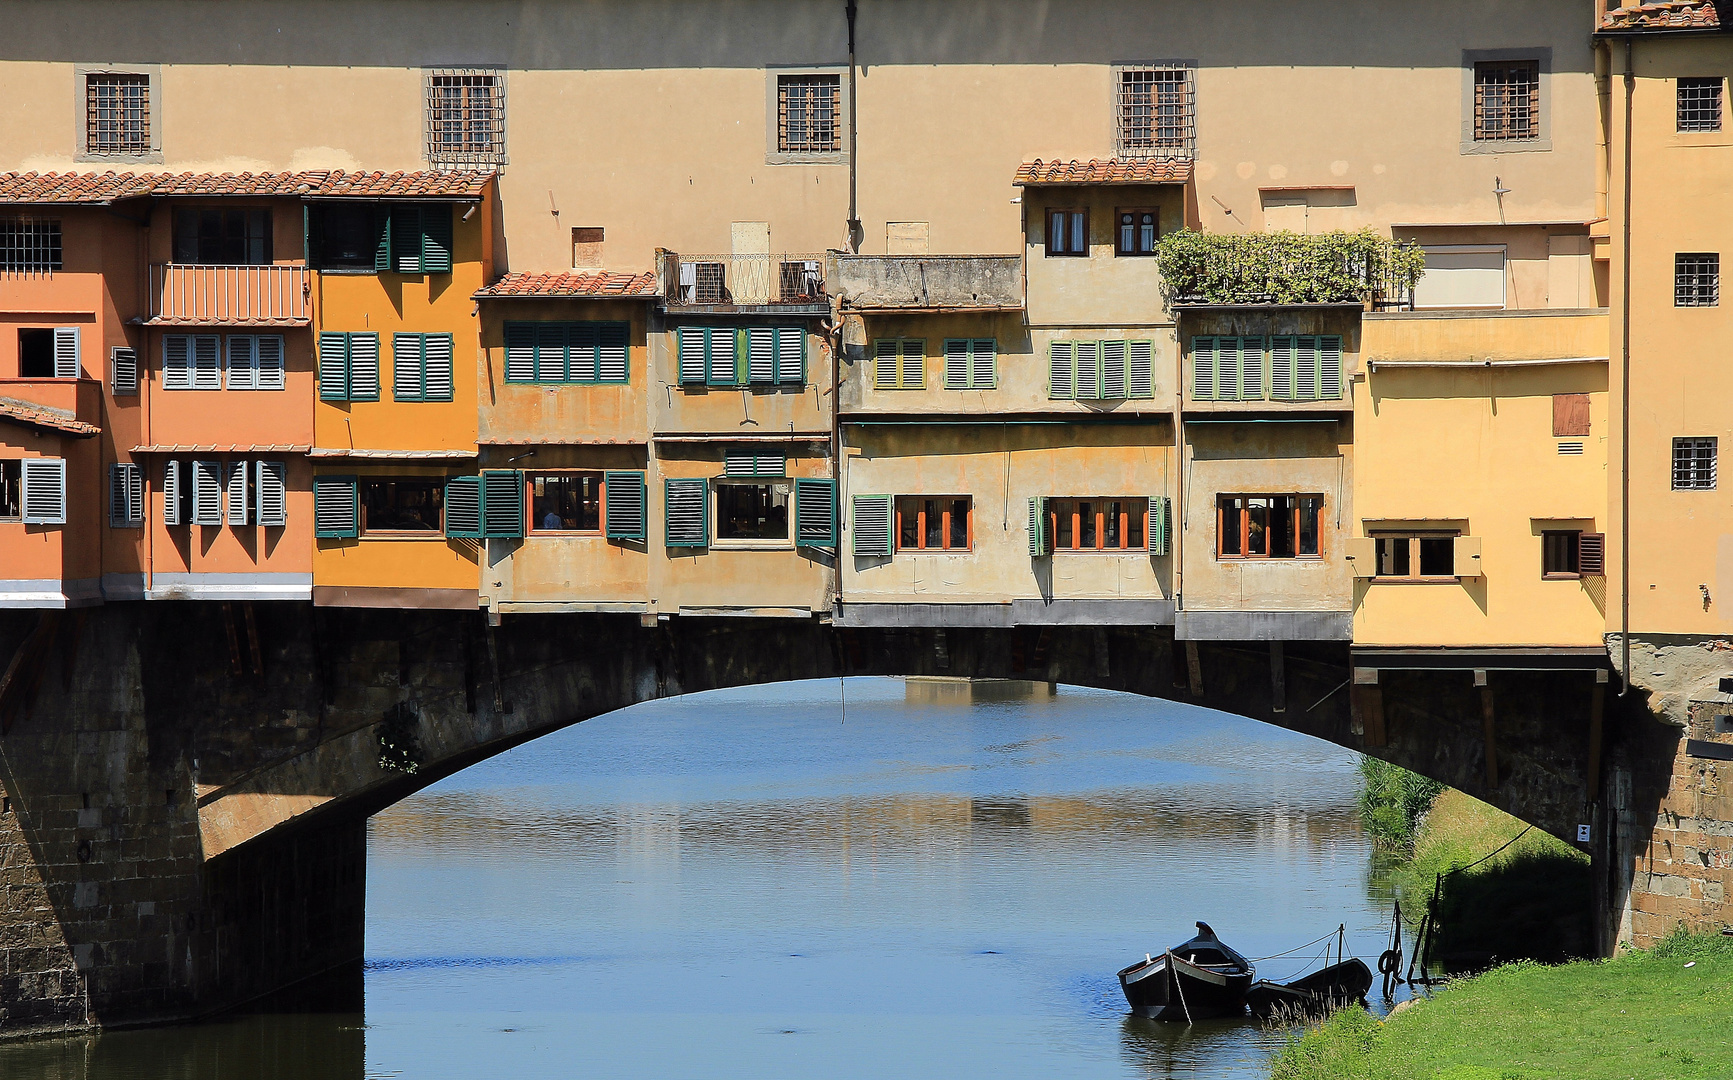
233,295
742,280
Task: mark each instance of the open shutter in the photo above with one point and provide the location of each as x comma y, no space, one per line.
268,351
691,342
871,522
886,374
242,362
502,503
333,367
382,239
463,507
724,359
135,493
1592,554
520,352
1040,536
686,512
436,367
956,364
123,371
408,373
406,239
914,363
171,493
1203,368
627,515
66,364
1282,359
815,513
1330,368
237,493
1160,524
436,239
363,367
44,483
611,353
761,354
791,355
207,362
1251,369
1140,369
207,492
1113,372
1088,370
336,507
119,512
271,488
1061,371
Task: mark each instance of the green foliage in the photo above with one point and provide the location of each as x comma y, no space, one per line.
1287,268
1392,799
400,740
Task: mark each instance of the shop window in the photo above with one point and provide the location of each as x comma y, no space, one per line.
565,502
1105,524
1267,526
934,523
752,511
401,504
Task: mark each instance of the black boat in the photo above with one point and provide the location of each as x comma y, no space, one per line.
1328,988
1200,978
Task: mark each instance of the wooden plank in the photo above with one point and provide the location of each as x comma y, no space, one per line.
253,638
1278,678
1597,711
1488,729
1194,670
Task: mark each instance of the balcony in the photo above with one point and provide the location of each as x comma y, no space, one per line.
743,283
187,295
59,406
1289,270
917,283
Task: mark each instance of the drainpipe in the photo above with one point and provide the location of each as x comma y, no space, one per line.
1625,395
854,228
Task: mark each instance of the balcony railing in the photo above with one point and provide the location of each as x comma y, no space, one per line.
929,282
742,280
1290,269
188,295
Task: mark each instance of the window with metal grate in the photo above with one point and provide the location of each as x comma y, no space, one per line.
1697,279
1155,111
808,114
1700,104
1506,100
117,114
466,116
1694,464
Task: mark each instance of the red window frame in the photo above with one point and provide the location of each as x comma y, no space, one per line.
1065,518
1241,527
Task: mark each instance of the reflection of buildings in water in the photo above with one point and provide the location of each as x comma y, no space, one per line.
648,833
1215,1048
942,690
999,813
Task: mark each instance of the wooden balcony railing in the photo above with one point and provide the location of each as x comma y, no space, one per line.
187,295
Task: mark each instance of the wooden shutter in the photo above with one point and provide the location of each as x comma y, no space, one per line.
552,361
44,484
436,367
171,493
1251,369
135,493
406,239
463,507
1061,371
791,355
1203,368
207,362
871,522
270,373
1330,368
724,358
363,367
914,363
815,513
177,359
887,353
1160,524
382,239
686,512
691,342
502,503
236,494
612,365
984,364
1113,370
119,512
1088,370
271,486
336,507
751,463
626,501
436,239
761,354
956,363
333,367
1592,554
1282,359
581,342
66,362
1040,537
207,492
123,368
1140,363
408,368
241,362
1227,369
520,352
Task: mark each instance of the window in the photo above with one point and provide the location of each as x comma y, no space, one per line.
415,240
747,511
1700,104
222,237
899,363
808,114
1301,368
344,236
1100,370
1306,368
41,489
117,114
1694,464
51,353
489,505
1098,524
125,495
192,362
1559,550
934,523
567,352
1155,111
1267,526
1415,555
122,370
30,245
730,356
255,362
421,367
466,117
565,502
1506,100
1697,279
11,490
1068,233
970,363
407,504
348,367
1136,232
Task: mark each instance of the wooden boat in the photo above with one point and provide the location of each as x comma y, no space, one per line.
1328,988
1197,979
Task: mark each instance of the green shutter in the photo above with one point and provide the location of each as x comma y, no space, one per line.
463,507
333,367
502,503
1062,371
336,507
1040,536
871,524
1160,527
686,512
406,239
1251,369
436,239
815,513
1203,368
626,505
381,239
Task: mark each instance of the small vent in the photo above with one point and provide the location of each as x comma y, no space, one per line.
1570,449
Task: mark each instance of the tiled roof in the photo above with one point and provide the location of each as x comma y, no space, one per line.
1670,15
98,188
23,412
390,455
600,284
1108,171
221,448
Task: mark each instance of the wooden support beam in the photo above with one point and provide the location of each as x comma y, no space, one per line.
1278,678
235,667
1487,728
71,633
1597,713
1193,670
500,705
253,638
24,671
1366,699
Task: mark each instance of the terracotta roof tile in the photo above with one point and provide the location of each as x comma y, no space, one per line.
1108,171
97,188
1669,15
600,284
22,412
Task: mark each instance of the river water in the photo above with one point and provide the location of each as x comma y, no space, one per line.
866,880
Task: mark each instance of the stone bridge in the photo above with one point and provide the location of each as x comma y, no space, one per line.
186,785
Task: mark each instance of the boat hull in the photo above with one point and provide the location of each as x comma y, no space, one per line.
1168,988
1320,992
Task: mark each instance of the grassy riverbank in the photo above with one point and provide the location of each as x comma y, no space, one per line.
1641,1016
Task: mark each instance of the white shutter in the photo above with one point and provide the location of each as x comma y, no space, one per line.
1061,378
984,364
791,354
207,479
123,370
1141,365
1203,368
956,364
691,347
436,358
520,352
243,362
66,359
237,492
171,493
751,463
44,483
177,362
364,367
551,357
1113,370
1251,369
269,373
272,492
406,367
722,356
1088,369
761,354
1282,367
611,361
1330,368
207,362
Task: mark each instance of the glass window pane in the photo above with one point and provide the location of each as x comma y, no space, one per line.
1086,534
1310,506
1077,238
402,505
959,523
1393,556
908,524
935,532
1136,510
1229,513
1282,527
752,511
1437,556
1064,533
1257,526
1114,537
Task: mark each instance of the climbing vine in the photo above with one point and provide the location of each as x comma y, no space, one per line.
1288,268
400,740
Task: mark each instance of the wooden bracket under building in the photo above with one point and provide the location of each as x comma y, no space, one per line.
1366,703
1488,730
24,671
1193,670
1597,714
1278,679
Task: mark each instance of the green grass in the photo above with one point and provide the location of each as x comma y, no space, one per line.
1641,1016
1391,802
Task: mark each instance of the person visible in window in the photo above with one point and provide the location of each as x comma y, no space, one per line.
553,521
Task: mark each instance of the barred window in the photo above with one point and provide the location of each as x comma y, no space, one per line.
1697,279
1506,100
1155,112
117,114
808,113
1700,104
1693,464
30,244
465,117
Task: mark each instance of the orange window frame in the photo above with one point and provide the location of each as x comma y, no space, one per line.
1100,516
532,526
1295,509
946,501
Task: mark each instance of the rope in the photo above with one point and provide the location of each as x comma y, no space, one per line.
1292,951
1174,976
1483,858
